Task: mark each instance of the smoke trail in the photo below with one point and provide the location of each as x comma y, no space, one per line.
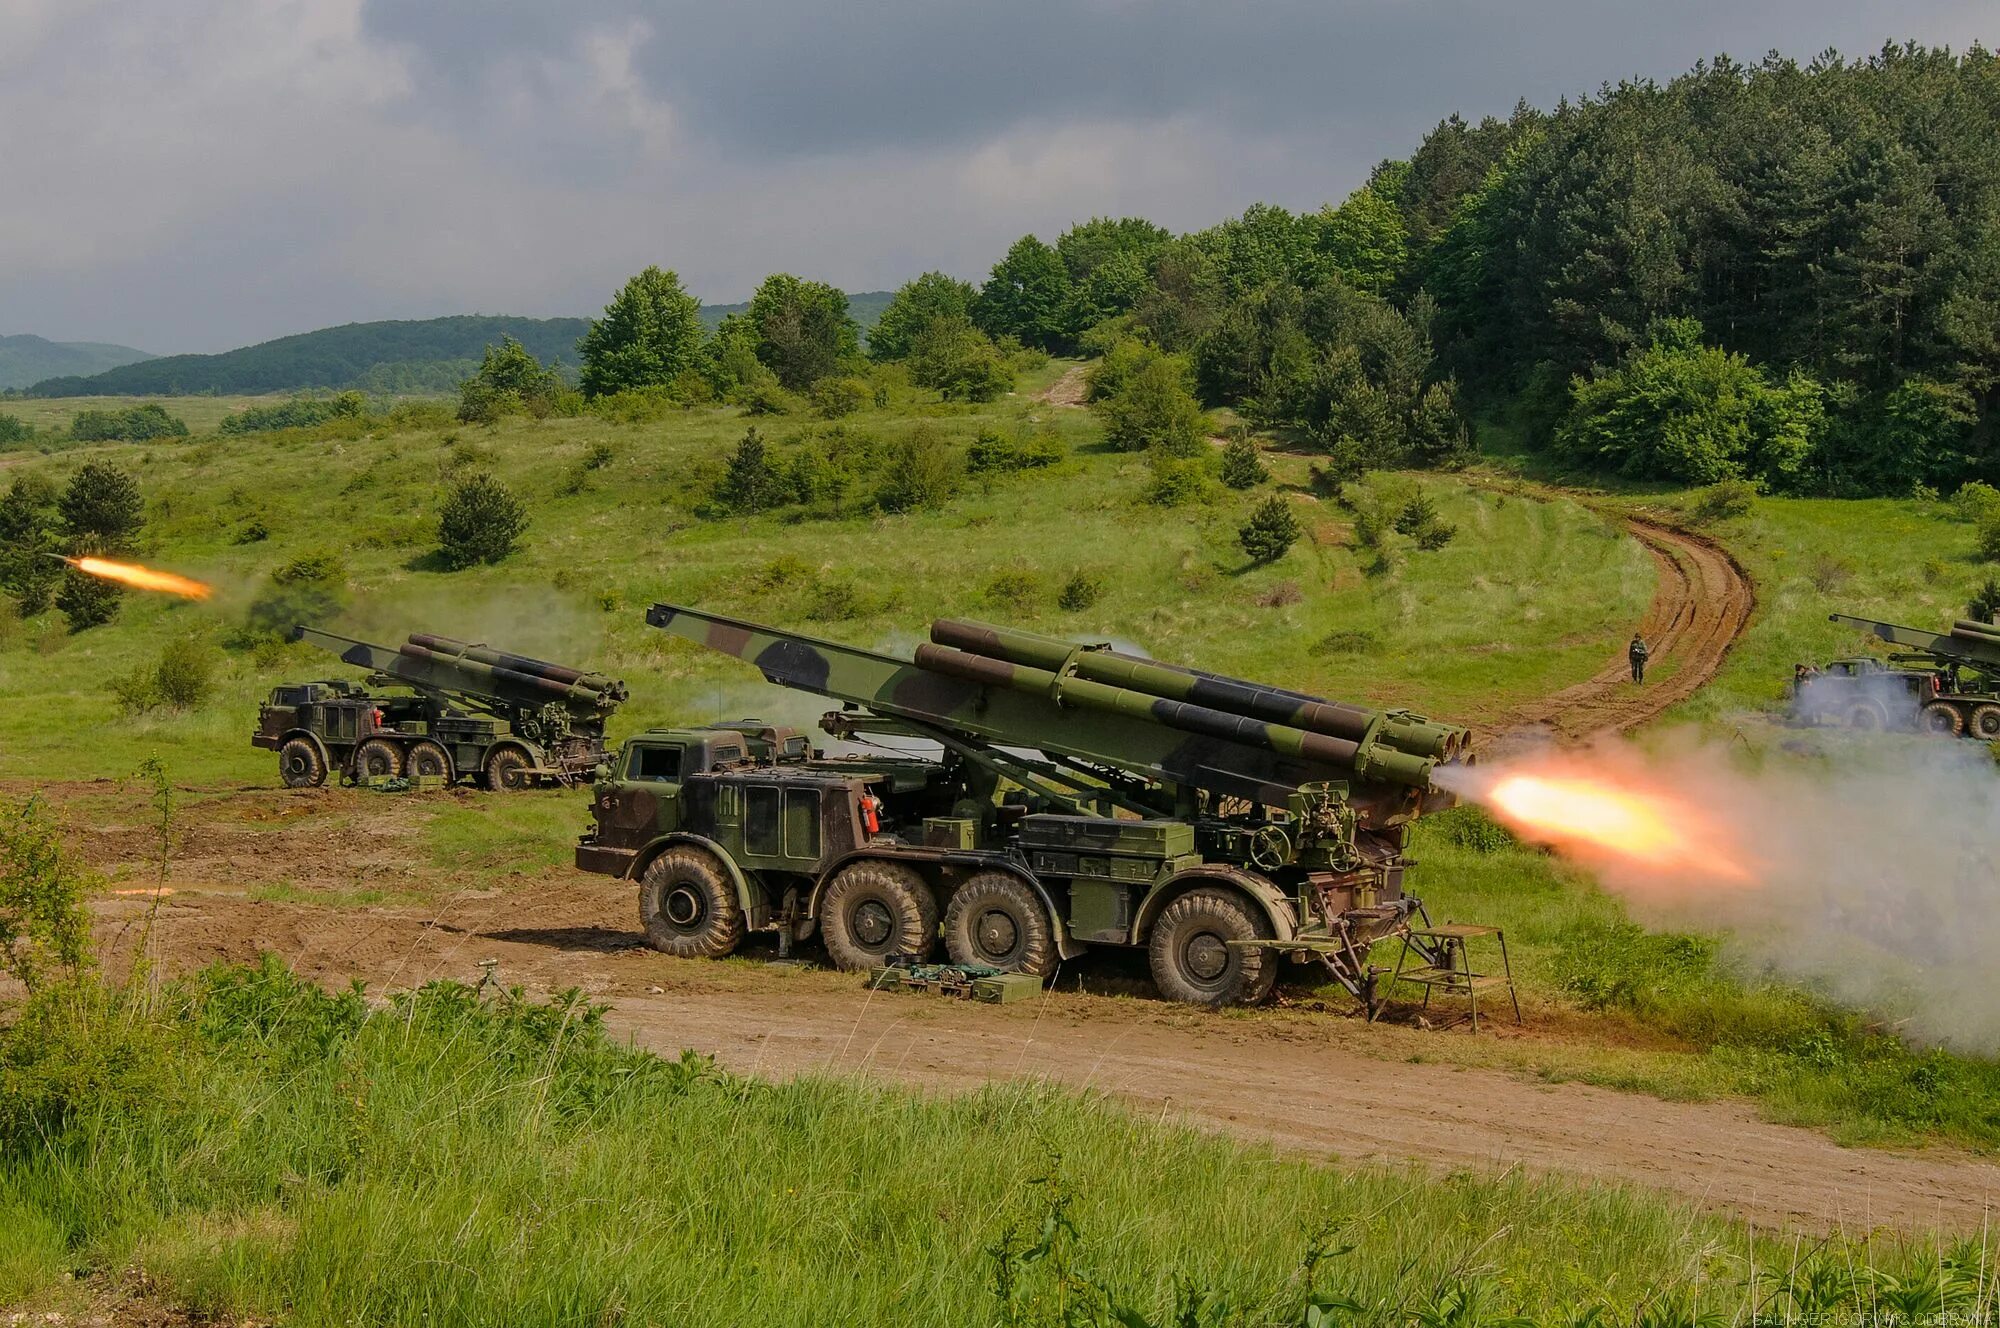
1866,866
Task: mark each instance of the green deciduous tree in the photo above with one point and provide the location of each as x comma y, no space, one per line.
1154,408
958,361
803,329
1026,297
510,380
1363,241
480,522
915,305
648,336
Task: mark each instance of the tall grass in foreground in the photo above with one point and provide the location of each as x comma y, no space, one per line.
261,1147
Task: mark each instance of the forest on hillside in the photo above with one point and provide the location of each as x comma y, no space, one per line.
1783,272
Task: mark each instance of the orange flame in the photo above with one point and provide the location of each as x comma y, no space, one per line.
1594,816
142,578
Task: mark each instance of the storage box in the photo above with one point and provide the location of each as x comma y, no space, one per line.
1006,988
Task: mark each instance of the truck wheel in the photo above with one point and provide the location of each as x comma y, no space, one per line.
299,764
874,910
1190,959
1985,723
1866,716
1942,718
430,761
377,758
688,906
996,921
508,769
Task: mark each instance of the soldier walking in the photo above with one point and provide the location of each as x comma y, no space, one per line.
1636,653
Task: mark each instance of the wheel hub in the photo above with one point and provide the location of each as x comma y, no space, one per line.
1207,957
997,934
873,923
683,906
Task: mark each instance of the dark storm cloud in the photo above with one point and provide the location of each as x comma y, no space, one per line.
218,171
771,78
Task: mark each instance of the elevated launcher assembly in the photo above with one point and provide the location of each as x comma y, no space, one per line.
1299,801
1966,697
506,719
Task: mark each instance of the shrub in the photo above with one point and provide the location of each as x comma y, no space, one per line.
1988,535
750,483
1013,588
139,424
1280,595
44,923
13,429
836,599
922,473
1973,501
87,601
1242,464
1348,641
1177,480
1418,518
1081,591
480,522
186,673
136,691
309,589
1154,409
995,451
835,398
298,413
1469,827
955,359
1270,531
1829,573
1985,602
1723,502
31,526
510,380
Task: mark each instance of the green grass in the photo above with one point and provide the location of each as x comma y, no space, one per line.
1460,633
256,1147
201,414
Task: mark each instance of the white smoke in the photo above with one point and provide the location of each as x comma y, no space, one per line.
1863,866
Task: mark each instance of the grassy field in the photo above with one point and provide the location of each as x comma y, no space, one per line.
246,1145
1461,632
53,414
1533,594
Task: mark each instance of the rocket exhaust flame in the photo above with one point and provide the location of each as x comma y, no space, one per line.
1608,816
142,578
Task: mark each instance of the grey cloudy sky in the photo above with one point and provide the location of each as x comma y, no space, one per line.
199,174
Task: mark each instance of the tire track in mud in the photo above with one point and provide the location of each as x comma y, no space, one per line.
1700,608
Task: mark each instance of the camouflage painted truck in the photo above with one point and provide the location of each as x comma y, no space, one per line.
459,711
1069,796
1947,683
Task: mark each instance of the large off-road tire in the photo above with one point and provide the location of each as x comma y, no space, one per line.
874,910
995,920
1942,718
1865,716
1985,723
377,758
507,769
428,760
300,764
688,905
1190,959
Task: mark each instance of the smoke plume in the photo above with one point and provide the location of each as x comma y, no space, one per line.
1862,865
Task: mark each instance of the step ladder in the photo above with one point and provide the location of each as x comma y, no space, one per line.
1445,966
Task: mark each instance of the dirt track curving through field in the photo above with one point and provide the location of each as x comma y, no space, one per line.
1700,606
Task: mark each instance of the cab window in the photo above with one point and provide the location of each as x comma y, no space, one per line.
802,823
655,763
760,820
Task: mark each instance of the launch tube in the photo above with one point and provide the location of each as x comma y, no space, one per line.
1374,761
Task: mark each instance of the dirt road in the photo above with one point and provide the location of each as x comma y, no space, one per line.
1700,606
1300,1080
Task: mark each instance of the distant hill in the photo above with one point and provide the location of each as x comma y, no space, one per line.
29,359
426,355
430,354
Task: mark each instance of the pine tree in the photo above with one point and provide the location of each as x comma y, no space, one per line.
1270,531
